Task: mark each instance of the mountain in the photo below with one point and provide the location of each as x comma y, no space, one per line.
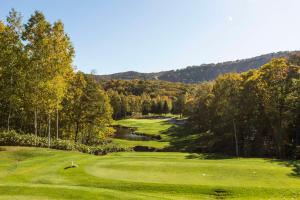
204,72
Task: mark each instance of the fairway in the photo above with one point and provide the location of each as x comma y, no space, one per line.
147,126
150,127
33,173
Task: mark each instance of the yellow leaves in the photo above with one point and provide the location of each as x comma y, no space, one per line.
255,75
2,26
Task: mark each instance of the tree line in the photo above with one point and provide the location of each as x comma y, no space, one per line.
255,113
133,97
41,92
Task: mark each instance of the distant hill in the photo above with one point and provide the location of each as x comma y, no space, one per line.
195,74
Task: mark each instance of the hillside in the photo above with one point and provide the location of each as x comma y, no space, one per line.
204,72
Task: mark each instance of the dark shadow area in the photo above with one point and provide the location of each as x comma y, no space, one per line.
145,149
176,121
208,156
221,193
182,139
294,164
69,167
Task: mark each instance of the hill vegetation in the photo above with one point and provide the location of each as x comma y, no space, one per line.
196,74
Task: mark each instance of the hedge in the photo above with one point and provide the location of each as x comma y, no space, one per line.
12,138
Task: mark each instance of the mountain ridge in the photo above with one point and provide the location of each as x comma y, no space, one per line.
199,73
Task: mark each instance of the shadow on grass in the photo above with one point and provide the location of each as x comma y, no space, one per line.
294,164
208,156
70,167
182,139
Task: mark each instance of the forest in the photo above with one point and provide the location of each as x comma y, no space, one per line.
253,113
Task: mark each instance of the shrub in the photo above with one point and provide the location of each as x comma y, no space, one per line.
12,138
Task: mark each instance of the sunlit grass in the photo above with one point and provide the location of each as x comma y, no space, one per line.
147,126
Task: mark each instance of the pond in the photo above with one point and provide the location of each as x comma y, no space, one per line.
130,134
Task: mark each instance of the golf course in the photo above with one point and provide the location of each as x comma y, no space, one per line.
41,173
35,174
149,100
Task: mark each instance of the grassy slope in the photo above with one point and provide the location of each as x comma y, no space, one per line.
147,127
30,173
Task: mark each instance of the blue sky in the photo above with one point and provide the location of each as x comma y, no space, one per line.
154,35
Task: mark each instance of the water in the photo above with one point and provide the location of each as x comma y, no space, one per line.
129,134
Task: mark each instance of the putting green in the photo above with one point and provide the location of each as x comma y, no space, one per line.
33,173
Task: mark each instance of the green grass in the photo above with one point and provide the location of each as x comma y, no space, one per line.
32,174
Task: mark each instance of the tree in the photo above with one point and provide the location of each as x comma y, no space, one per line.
72,107
179,104
225,111
63,53
11,61
146,107
38,50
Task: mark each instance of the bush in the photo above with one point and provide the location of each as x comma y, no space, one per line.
12,138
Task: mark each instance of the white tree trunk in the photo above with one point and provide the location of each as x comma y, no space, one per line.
35,125
57,123
9,109
236,140
49,131
8,121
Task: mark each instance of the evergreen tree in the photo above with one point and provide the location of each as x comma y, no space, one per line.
165,107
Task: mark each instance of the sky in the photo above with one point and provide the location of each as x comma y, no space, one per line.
112,36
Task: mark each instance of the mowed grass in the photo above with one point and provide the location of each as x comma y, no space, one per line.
33,173
147,126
